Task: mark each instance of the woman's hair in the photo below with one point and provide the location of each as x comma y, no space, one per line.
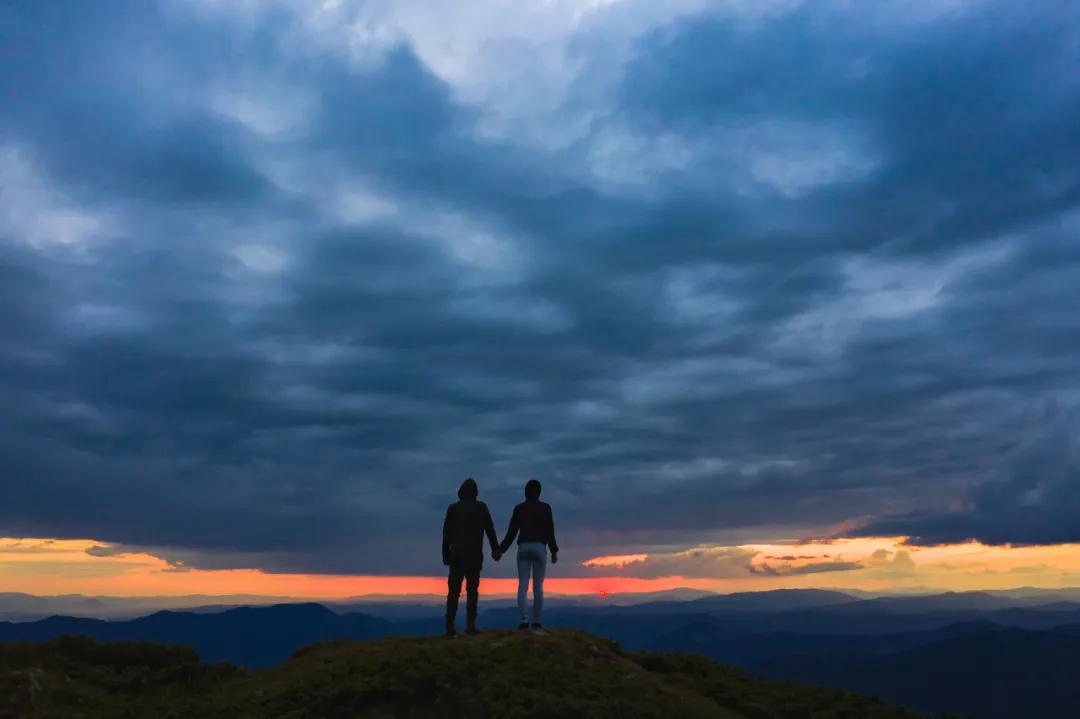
532,489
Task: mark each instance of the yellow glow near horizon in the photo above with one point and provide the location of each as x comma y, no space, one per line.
67,566
870,563
615,560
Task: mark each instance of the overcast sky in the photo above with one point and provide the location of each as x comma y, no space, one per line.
276,276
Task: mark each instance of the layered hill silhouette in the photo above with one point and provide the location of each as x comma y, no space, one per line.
997,673
934,654
253,637
553,675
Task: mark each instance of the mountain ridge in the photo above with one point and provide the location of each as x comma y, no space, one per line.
1019,673
773,644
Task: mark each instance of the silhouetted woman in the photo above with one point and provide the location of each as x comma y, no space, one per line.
532,519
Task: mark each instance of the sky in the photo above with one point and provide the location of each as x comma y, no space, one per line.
767,293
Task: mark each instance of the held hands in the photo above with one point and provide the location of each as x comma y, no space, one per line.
496,554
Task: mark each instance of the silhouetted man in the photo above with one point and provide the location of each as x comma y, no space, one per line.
466,523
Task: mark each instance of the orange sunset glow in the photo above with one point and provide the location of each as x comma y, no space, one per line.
64,566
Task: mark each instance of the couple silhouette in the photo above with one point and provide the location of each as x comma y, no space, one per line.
467,522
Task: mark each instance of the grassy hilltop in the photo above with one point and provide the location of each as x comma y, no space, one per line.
497,674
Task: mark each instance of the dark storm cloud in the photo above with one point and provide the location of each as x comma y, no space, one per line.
266,304
787,570
1033,497
975,131
111,113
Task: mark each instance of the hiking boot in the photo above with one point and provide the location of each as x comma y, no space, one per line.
536,626
523,625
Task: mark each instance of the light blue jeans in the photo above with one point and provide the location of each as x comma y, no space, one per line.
531,557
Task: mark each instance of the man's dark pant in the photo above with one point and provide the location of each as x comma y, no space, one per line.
470,574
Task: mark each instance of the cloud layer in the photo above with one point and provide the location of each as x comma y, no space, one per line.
276,276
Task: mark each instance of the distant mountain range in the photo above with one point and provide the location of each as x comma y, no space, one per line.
20,607
16,606
249,636
971,653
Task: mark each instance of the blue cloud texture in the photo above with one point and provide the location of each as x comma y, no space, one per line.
273,285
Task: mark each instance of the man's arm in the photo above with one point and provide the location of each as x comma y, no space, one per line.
489,530
511,532
447,528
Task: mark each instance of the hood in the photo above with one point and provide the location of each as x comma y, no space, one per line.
468,489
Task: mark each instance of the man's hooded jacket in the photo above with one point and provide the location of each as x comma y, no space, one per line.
467,521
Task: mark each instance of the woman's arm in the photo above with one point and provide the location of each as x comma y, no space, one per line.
511,532
552,544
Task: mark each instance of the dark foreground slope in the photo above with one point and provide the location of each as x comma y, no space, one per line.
498,674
